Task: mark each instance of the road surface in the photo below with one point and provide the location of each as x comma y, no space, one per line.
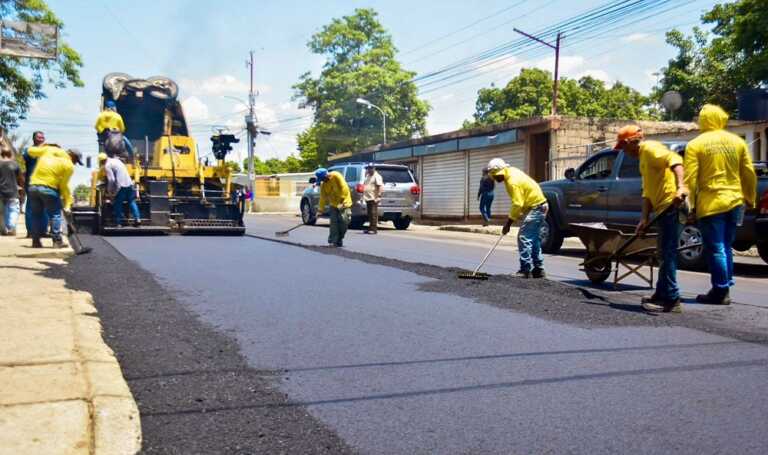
401,358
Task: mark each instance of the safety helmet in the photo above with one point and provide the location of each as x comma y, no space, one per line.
102,157
321,174
109,104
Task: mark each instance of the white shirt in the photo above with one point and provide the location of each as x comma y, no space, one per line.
117,174
373,185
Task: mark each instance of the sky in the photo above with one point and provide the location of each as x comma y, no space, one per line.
203,45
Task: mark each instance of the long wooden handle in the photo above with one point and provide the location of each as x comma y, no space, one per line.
637,234
489,254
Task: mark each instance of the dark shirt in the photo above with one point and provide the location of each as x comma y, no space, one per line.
486,186
9,175
30,164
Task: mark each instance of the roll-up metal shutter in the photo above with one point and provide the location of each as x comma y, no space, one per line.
513,155
443,189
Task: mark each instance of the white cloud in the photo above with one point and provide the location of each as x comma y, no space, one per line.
638,38
194,109
222,84
597,74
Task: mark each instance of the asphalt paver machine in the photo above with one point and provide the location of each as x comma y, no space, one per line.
176,191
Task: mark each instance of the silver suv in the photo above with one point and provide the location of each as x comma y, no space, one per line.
399,201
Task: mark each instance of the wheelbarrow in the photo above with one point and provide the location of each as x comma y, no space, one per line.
610,249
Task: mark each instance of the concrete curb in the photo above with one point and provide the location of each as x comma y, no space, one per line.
61,387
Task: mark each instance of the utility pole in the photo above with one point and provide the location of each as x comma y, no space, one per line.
250,124
556,48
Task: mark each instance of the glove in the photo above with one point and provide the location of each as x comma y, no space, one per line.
507,226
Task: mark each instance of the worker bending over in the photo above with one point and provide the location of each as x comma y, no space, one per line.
49,189
528,202
664,191
334,191
120,186
722,181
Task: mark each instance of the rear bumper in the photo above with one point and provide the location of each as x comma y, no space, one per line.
387,213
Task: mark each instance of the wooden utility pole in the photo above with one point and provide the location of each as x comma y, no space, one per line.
556,48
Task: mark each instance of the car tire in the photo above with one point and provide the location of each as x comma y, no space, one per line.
551,236
762,249
402,222
307,217
691,258
356,222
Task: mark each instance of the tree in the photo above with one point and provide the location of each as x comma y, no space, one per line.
233,166
22,79
82,192
360,63
712,67
530,95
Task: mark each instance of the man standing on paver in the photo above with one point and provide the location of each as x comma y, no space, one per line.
120,185
11,184
722,181
372,189
663,186
49,189
485,196
528,201
38,139
108,120
335,192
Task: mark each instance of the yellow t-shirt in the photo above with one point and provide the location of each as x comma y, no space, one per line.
53,169
659,184
334,191
109,120
524,192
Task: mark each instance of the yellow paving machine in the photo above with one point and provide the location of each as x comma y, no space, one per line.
176,191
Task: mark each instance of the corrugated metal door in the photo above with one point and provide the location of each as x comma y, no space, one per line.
514,156
444,184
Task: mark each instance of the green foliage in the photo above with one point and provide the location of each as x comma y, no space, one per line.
82,192
711,68
22,79
271,166
360,63
233,166
530,95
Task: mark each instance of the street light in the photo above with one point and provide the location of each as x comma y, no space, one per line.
367,103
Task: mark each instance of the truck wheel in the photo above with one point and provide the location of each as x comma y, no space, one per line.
401,223
598,271
307,217
551,236
762,249
691,258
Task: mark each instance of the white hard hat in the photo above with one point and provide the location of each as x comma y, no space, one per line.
497,164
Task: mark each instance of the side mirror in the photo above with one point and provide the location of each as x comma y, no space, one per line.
570,173
313,180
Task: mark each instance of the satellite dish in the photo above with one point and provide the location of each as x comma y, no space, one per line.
672,100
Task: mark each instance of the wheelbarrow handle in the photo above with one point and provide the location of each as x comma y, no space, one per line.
635,236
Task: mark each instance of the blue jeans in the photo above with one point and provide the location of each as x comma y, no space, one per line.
10,213
486,199
528,240
125,194
28,216
45,201
718,233
668,241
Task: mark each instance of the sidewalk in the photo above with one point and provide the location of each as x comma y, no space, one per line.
61,388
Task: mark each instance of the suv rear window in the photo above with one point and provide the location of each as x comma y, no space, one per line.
353,174
394,175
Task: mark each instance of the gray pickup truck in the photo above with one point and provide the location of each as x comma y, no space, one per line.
607,188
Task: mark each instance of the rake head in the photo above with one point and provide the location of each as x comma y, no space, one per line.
473,276
282,233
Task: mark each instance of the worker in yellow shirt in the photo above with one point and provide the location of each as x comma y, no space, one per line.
528,203
108,120
49,189
722,180
334,191
663,188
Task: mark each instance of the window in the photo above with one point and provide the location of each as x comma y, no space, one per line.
352,175
599,167
630,168
395,175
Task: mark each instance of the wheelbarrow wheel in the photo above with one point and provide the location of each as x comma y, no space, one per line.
598,271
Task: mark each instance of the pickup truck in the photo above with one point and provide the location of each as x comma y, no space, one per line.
607,188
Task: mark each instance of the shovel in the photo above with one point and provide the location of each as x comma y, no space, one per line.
287,232
480,275
74,240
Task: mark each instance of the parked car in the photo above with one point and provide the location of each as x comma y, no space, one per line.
399,202
607,188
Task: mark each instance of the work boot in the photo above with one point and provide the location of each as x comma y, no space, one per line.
714,298
36,243
137,223
651,299
340,244
669,306
522,274
11,232
538,272
58,243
